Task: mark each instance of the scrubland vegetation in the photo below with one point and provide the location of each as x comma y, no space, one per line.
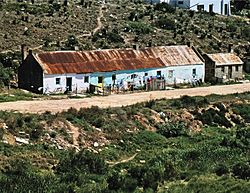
191,144
72,25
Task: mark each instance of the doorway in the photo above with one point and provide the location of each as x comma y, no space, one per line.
69,83
230,72
100,81
226,9
211,8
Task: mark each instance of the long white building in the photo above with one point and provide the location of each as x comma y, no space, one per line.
217,6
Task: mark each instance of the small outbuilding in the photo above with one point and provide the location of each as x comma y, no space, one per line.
223,67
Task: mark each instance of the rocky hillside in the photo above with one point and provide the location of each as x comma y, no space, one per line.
75,24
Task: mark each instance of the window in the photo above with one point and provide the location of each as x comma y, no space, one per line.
222,69
146,74
100,79
200,7
86,79
194,71
236,68
133,76
170,74
58,80
113,77
158,73
180,2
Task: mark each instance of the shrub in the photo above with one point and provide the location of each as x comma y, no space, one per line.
241,170
114,37
165,23
140,28
1,133
221,169
246,33
150,103
83,161
172,129
36,132
188,101
164,7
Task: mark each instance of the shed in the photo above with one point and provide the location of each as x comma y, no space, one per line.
222,67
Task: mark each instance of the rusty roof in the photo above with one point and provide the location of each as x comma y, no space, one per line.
61,62
177,55
225,59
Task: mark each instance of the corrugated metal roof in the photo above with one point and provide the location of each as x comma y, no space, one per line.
225,59
177,55
61,62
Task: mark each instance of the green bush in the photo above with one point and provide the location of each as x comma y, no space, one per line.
164,7
140,28
221,169
165,23
114,38
241,170
83,161
172,129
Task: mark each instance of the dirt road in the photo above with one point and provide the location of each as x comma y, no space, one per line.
118,100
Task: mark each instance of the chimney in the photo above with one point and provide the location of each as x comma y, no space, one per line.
230,48
136,47
24,51
30,52
189,44
150,44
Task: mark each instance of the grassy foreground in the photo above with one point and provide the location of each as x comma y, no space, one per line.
192,144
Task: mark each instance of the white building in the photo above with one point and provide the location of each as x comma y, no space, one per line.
217,6
76,71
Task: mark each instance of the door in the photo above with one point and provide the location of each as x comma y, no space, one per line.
226,9
230,72
211,8
100,81
69,83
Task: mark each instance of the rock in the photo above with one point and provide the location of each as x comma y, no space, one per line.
96,144
22,140
98,129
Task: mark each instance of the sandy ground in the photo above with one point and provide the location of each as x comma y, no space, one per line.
115,100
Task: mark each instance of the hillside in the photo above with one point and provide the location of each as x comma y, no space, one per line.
110,24
182,145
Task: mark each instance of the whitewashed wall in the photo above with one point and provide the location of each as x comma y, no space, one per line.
184,74
218,5
180,74
50,86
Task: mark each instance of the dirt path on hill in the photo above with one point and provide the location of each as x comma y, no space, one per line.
118,100
99,22
121,161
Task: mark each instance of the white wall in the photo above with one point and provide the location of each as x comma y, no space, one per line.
50,86
181,74
184,74
218,5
